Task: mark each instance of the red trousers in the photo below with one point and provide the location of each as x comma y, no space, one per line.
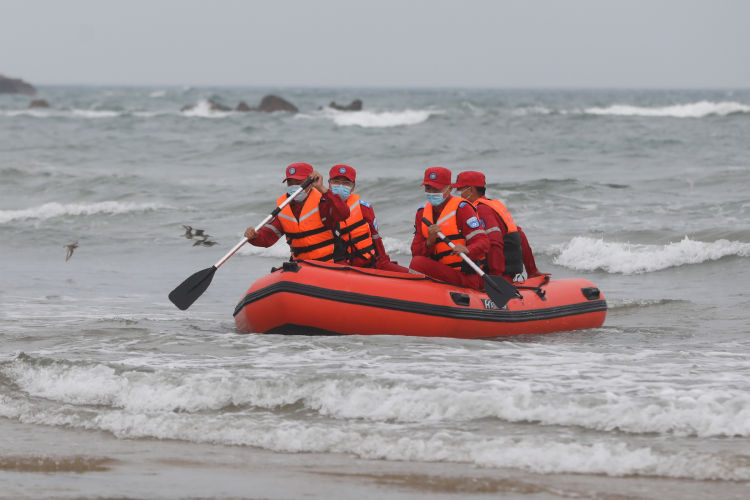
434,269
528,257
379,264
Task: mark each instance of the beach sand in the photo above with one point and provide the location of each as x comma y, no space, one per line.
49,462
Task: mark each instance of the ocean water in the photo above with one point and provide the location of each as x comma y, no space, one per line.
107,390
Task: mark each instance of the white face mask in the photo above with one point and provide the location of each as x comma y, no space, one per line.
300,197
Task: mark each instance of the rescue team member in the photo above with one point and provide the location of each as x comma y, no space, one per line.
509,249
458,221
308,221
357,237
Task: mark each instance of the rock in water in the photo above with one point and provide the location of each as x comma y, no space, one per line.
15,86
217,106
38,103
272,103
242,106
213,106
355,105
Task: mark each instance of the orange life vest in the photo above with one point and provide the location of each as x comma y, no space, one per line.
501,211
512,252
308,237
441,252
355,232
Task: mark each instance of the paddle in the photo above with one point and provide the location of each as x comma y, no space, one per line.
189,290
499,290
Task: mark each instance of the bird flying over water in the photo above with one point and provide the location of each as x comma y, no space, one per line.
205,242
70,247
188,232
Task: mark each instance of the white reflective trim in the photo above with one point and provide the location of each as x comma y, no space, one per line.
445,218
474,233
309,214
273,228
493,229
375,236
287,217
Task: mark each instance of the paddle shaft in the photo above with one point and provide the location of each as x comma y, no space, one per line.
264,222
466,258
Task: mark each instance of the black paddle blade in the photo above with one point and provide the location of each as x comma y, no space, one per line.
189,290
499,290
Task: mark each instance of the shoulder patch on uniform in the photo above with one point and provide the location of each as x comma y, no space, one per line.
375,224
472,222
362,202
483,223
462,204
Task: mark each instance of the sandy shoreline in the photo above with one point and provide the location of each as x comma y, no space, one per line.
49,462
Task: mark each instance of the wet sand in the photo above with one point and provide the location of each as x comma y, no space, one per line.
42,462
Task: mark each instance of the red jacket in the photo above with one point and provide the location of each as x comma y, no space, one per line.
478,245
332,210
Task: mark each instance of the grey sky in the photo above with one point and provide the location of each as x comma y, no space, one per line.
539,43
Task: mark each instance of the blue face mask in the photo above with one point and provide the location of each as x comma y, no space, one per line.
300,197
341,190
434,199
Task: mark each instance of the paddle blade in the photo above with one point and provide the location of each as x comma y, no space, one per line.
189,290
499,290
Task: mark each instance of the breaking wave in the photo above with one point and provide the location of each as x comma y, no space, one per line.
54,209
690,110
372,119
588,254
377,416
203,109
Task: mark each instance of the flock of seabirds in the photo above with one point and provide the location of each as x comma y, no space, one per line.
331,223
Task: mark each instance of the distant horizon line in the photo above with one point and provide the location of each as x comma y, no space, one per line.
376,87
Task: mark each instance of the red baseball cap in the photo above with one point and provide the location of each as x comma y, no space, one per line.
343,171
437,177
469,178
299,171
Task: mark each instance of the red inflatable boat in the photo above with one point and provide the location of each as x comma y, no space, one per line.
315,298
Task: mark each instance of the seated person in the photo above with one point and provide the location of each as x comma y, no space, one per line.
357,238
509,249
308,221
457,219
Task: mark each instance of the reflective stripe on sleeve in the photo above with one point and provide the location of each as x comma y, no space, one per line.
474,233
273,228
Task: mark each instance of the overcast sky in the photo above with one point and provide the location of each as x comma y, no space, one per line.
524,43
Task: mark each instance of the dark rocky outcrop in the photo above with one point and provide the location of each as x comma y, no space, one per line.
272,103
217,106
15,86
38,103
355,105
269,104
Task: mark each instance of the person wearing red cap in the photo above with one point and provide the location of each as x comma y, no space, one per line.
509,249
457,219
357,237
308,221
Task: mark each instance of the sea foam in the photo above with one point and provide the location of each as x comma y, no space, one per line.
690,110
203,109
382,419
588,254
372,119
54,209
